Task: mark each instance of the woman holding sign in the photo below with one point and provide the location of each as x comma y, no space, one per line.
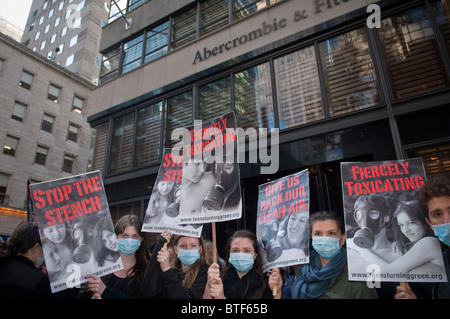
243,276
326,275
125,283
183,277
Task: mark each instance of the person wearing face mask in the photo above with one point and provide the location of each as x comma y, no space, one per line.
125,283
183,277
326,276
243,277
20,258
434,196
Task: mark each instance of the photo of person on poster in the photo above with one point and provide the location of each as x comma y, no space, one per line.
385,225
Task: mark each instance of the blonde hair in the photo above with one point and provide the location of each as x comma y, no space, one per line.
191,273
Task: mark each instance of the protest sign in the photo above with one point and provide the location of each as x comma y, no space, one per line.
164,205
76,229
210,187
388,238
282,222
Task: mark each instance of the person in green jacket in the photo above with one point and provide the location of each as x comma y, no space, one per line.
326,275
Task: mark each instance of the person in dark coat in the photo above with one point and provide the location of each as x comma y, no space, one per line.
183,277
20,258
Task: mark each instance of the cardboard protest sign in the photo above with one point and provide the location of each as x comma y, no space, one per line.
164,205
387,236
282,224
210,189
76,229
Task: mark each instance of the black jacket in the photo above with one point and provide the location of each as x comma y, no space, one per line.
168,284
19,278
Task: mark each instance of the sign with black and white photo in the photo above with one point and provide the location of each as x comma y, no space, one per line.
76,229
282,223
210,187
164,205
388,238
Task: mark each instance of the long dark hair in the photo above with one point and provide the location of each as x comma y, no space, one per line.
257,265
23,238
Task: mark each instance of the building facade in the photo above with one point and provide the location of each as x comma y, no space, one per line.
341,80
43,127
67,32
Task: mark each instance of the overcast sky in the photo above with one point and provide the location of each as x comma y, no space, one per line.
15,11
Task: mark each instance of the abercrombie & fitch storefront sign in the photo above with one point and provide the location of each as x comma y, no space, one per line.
304,17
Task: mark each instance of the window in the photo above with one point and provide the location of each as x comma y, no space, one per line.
122,143
50,13
68,161
135,3
19,110
156,44
41,155
47,123
47,28
41,20
253,97
2,62
60,48
53,38
213,15
69,59
99,145
37,35
26,80
148,134
77,105
42,47
179,114
57,21
184,27
298,88
4,180
64,31
110,65
73,41
72,132
10,145
132,54
61,5
53,92
349,73
214,99
411,54
242,8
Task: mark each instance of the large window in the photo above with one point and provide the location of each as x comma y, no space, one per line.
349,73
156,44
298,88
184,27
213,15
411,54
99,145
253,97
442,14
179,114
148,134
132,54
214,99
122,143
10,145
110,64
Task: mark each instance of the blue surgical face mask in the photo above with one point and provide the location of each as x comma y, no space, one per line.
128,246
241,261
443,233
327,247
188,256
39,261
